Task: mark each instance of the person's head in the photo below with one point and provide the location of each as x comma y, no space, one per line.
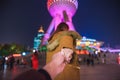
35,54
62,27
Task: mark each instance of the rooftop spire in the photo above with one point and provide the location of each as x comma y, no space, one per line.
41,29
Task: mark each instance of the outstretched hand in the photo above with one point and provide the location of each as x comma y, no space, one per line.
56,65
58,62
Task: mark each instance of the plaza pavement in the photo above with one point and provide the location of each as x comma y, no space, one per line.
108,71
100,72
96,72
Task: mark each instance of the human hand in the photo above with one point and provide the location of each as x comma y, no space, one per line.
67,53
56,65
58,62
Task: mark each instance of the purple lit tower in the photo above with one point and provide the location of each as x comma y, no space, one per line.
61,11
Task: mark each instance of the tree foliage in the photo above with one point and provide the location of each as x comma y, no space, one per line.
7,49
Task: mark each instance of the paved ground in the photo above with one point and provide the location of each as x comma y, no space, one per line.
109,71
100,72
10,74
97,72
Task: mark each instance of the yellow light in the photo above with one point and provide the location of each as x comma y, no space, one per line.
77,42
87,43
94,44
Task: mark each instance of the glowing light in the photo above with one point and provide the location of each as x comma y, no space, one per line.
96,52
6,58
50,2
77,42
88,39
94,44
16,55
23,53
114,50
119,54
33,50
87,43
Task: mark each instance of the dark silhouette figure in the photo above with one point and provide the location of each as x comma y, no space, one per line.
11,62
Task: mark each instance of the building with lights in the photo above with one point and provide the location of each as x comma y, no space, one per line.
61,11
38,38
87,45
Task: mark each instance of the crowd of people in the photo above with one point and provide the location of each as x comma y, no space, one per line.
93,58
9,62
2,63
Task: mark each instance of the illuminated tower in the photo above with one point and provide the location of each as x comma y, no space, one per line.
61,11
38,38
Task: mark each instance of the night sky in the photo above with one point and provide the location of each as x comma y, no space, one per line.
21,19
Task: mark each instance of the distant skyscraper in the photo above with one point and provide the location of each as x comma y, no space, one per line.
61,11
38,38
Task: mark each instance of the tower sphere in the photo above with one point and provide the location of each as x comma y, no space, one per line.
61,11
56,7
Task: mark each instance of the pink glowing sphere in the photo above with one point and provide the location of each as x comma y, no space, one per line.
56,7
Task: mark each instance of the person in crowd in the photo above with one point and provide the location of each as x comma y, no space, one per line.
11,62
3,62
0,64
92,59
104,58
48,72
118,59
35,61
24,62
88,61
64,40
17,61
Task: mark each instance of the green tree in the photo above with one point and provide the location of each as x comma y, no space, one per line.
5,50
8,49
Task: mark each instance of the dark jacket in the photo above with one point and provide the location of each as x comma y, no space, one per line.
34,75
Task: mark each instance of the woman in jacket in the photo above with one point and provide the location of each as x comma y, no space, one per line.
64,40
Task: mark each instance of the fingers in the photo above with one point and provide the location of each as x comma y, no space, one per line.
62,57
67,53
